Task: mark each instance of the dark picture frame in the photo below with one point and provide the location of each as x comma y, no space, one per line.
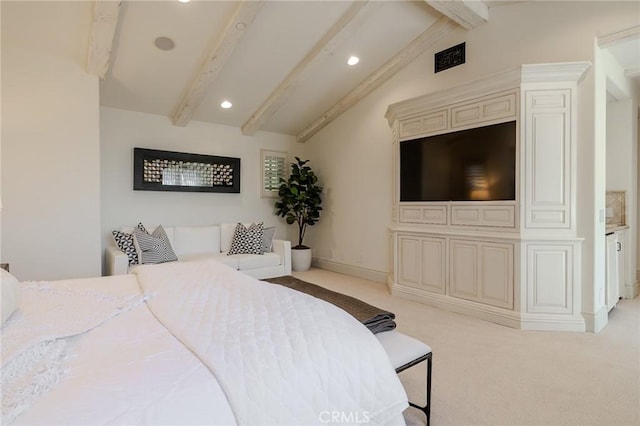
155,170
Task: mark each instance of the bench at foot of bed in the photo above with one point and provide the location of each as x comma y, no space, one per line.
405,352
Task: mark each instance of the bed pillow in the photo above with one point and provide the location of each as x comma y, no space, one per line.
10,294
126,243
247,240
155,248
267,239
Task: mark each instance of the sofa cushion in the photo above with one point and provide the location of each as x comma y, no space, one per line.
231,261
247,240
254,261
156,247
188,240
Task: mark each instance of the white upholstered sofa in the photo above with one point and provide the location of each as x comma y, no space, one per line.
213,241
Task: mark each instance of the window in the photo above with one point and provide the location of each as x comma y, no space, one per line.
274,168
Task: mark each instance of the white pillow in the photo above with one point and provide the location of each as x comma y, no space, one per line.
10,294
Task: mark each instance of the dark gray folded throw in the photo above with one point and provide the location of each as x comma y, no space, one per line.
375,319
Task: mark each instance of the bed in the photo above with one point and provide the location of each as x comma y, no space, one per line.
192,343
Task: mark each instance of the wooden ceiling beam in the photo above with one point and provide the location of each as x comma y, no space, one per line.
425,40
223,47
466,13
103,27
340,31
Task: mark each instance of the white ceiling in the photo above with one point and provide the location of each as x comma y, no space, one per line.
281,69
143,78
627,53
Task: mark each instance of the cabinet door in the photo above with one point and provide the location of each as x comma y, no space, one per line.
421,263
409,268
496,276
464,280
612,280
482,272
622,262
433,264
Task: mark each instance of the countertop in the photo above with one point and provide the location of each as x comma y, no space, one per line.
615,227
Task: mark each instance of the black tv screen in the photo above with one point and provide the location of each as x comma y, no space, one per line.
470,165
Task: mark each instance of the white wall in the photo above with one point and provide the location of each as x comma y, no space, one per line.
620,117
121,131
622,145
50,142
622,150
353,154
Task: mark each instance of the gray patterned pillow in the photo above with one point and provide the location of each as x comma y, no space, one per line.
267,239
126,244
156,248
247,240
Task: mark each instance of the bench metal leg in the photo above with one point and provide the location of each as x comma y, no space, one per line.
427,408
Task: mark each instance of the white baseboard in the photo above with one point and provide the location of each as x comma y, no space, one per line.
632,291
553,322
597,321
506,317
477,310
354,271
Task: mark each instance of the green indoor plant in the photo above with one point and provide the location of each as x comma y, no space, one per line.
300,203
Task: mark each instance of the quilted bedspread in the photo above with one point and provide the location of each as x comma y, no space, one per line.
281,357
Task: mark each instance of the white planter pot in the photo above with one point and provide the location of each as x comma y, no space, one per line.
300,259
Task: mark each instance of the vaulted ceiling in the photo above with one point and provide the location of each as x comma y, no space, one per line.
282,64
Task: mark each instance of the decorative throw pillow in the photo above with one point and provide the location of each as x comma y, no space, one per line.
247,240
10,294
267,239
155,248
126,244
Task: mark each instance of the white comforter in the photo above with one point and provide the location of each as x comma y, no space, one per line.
219,348
280,356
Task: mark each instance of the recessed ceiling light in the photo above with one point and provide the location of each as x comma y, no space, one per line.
353,60
164,43
226,104
184,1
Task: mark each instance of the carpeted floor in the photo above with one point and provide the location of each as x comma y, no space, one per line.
488,374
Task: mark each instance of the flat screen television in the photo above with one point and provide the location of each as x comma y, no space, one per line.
470,165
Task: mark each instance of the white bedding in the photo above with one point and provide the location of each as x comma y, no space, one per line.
130,370
220,348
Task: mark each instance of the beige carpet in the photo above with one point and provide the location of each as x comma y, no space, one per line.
488,374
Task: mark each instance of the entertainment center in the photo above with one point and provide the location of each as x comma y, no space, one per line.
484,198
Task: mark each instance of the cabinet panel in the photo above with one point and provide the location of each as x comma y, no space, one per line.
409,269
464,270
502,216
613,271
486,110
622,262
550,278
421,262
548,159
497,274
433,264
433,214
425,124
482,272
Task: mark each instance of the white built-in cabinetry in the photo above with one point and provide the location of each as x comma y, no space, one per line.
613,271
514,262
615,266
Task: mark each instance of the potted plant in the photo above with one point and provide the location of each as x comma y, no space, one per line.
300,203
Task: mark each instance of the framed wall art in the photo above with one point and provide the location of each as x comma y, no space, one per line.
155,170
